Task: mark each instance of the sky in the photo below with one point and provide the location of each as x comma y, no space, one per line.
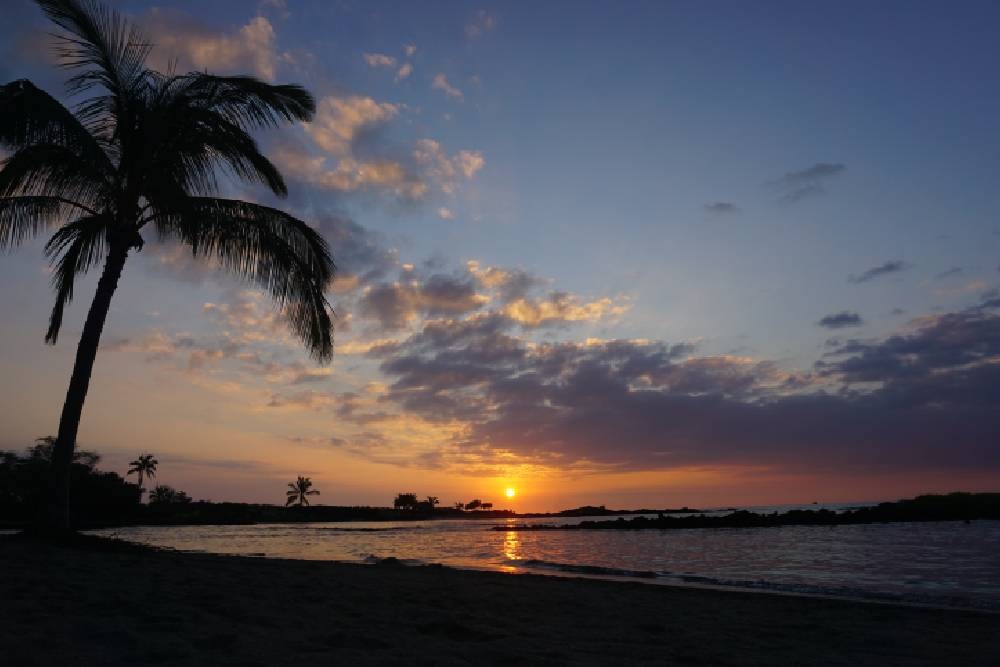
635,254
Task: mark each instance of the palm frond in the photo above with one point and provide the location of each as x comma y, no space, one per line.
196,143
268,248
199,123
73,249
244,101
108,50
29,115
50,170
22,218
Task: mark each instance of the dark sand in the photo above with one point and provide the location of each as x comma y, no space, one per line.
89,604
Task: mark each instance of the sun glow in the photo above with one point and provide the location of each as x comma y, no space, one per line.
511,492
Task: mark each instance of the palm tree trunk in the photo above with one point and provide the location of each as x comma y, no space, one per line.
57,518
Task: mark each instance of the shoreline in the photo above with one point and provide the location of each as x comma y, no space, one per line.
99,602
641,580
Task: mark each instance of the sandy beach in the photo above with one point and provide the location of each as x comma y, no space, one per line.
95,603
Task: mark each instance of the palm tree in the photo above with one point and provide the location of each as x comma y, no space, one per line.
165,495
141,151
145,465
298,490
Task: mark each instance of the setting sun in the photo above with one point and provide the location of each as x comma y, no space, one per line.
511,492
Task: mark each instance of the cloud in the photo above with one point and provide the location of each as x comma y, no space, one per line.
446,213
930,401
440,82
841,320
379,60
721,208
347,128
350,174
482,22
182,350
950,273
965,288
932,358
177,37
797,185
469,162
361,255
510,284
341,119
393,306
446,171
470,384
341,122
560,308
307,399
410,50
247,314
893,266
404,71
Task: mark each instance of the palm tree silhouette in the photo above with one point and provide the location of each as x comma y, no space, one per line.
145,465
298,490
143,150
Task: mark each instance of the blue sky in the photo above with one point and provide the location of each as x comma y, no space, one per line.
715,175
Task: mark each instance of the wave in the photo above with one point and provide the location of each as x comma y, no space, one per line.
687,579
372,559
338,529
574,568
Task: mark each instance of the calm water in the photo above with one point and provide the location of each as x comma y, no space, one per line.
949,563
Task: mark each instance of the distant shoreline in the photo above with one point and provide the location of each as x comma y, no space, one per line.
202,513
956,506
950,507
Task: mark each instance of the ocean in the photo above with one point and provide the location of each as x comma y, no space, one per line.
952,564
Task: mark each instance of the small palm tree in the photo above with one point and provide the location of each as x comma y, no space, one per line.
142,151
166,495
299,490
144,466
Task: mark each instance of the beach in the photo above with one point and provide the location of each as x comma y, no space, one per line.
101,602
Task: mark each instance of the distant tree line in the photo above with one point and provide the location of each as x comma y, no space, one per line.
167,495
474,504
409,501
105,498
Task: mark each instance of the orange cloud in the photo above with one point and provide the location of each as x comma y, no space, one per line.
339,119
560,306
440,82
379,60
251,47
